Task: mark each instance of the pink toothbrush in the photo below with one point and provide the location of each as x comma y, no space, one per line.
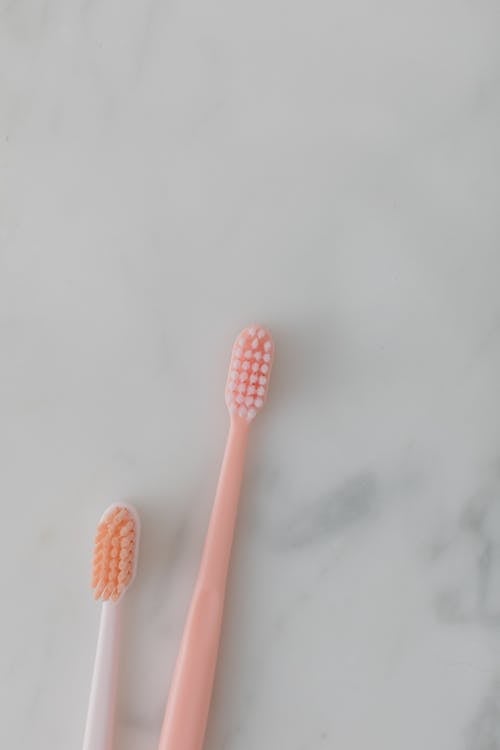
191,689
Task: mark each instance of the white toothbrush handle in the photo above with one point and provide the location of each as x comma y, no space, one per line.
102,702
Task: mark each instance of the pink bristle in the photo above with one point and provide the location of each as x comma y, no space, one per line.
250,367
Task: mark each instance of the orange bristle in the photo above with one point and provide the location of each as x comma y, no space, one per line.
114,553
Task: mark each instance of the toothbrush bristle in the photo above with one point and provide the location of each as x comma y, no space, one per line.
248,380
115,551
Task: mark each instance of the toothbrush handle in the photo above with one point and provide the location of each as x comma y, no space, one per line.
102,702
191,689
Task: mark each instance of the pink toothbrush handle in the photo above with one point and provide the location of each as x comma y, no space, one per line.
191,689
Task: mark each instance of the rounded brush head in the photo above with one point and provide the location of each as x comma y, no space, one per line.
115,552
248,380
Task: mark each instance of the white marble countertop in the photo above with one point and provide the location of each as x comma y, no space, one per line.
170,173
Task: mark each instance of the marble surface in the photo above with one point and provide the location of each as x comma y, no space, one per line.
170,173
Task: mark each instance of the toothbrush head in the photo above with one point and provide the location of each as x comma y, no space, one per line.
248,380
115,552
